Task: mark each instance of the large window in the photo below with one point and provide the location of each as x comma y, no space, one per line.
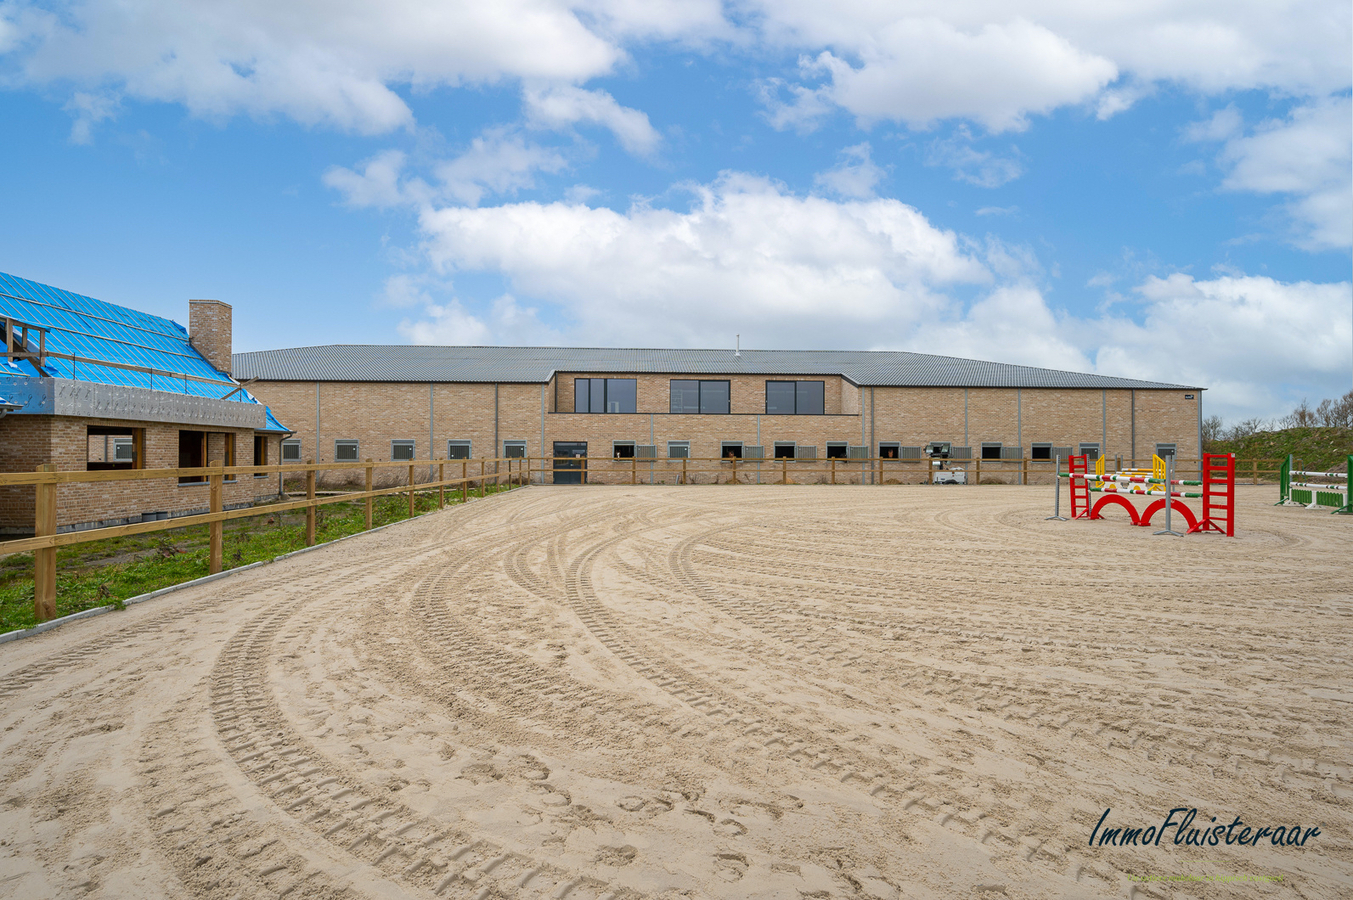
836,449
699,397
784,449
794,398
457,449
605,395
622,449
991,450
731,449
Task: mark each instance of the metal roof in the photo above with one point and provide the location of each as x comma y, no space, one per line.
82,326
536,365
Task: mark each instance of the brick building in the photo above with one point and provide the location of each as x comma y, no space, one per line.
88,385
617,405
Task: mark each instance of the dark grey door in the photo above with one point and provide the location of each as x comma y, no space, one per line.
570,462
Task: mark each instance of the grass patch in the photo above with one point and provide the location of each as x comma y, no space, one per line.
1313,448
114,570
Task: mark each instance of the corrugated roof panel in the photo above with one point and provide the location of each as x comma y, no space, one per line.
364,362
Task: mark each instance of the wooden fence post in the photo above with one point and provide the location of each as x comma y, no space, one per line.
683,470
784,471
310,510
216,553
735,471
1024,470
977,475
44,560
369,488
482,471
634,470
464,484
833,470
410,492
880,481
441,486
1254,479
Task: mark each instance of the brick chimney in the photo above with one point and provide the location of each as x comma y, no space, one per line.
209,331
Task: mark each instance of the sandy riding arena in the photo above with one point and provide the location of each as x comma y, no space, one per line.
701,692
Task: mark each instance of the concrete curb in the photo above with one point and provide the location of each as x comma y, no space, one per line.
142,598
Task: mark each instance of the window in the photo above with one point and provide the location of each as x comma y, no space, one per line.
1090,450
794,398
291,451
1165,451
699,397
803,451
457,449
678,449
402,451
730,450
784,449
889,450
1040,451
837,449
622,449
605,395
345,451
991,451
114,447
514,449
192,455
260,454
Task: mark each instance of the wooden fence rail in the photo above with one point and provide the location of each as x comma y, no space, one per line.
46,479
512,470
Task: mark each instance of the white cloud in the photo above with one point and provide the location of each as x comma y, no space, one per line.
88,110
329,62
376,185
996,63
978,167
1309,156
496,162
559,106
746,257
855,176
505,322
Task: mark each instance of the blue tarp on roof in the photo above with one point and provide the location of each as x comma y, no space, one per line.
82,326
273,424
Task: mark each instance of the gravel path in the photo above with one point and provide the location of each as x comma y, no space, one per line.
898,692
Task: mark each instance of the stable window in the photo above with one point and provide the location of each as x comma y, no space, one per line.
622,449
402,451
514,449
457,449
291,451
1164,451
678,449
730,450
794,398
112,447
345,451
605,395
784,449
889,450
1040,451
192,455
1090,451
837,449
991,451
260,454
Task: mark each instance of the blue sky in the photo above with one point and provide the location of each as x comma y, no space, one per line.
1161,191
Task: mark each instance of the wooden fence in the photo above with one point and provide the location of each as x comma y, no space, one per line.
513,470
875,470
47,479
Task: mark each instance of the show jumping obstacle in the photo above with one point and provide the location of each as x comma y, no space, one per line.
1315,494
1218,492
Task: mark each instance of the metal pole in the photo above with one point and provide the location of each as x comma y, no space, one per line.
1057,491
1169,495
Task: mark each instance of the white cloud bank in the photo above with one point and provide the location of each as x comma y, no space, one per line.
787,271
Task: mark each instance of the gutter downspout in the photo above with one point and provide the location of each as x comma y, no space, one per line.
872,446
496,448
1133,401
317,456
542,429
432,433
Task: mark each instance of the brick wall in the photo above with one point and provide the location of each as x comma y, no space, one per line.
209,326
29,441
374,413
